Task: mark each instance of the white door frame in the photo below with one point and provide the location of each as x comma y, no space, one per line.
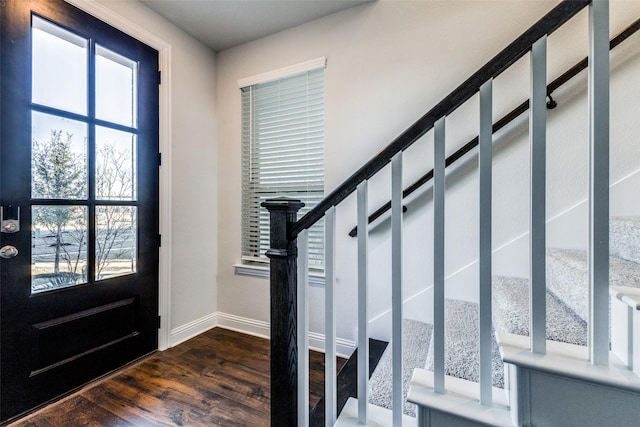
164,49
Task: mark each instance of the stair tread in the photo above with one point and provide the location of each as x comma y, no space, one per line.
415,343
630,296
461,399
377,416
567,360
567,277
462,344
511,312
624,237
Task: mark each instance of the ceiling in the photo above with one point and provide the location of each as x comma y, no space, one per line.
221,24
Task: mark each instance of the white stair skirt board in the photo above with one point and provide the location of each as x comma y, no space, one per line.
563,388
458,406
625,325
378,417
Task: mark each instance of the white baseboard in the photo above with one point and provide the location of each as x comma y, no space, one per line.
191,329
248,326
244,325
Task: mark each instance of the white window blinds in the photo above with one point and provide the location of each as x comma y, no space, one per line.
282,156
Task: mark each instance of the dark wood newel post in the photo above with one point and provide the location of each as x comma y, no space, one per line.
283,255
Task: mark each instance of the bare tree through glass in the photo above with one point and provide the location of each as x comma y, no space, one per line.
60,231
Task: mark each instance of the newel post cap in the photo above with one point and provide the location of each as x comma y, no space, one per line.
282,204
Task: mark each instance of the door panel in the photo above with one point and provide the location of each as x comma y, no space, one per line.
78,157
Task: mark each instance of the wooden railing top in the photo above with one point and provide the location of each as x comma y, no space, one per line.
503,60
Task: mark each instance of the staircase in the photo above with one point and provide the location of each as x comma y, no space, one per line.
567,314
560,347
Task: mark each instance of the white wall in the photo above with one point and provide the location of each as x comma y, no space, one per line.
192,160
388,62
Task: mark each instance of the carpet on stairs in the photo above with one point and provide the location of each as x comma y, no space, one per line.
462,344
624,238
511,312
567,277
415,344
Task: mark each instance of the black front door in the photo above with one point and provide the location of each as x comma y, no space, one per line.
79,196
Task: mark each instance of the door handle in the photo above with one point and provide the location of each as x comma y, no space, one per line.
8,251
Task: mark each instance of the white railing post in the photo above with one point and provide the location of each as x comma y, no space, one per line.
396,286
438,254
599,182
485,180
303,328
330,380
363,312
537,217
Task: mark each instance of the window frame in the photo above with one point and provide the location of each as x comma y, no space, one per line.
251,264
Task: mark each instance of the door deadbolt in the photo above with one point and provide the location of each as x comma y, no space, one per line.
9,219
8,251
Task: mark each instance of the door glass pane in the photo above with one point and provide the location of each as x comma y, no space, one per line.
58,158
59,62
59,247
116,241
115,164
116,81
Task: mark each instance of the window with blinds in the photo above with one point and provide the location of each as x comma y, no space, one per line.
282,156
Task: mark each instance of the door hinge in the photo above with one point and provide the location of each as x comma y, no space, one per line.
159,77
159,321
159,240
159,159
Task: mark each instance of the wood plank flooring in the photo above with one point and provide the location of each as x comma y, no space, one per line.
219,378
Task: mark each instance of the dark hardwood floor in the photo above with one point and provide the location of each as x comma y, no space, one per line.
217,378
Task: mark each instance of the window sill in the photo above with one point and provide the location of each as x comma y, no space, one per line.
262,272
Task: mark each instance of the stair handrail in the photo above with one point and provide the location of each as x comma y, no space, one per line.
502,122
499,63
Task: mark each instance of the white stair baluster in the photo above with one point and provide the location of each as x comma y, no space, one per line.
485,163
330,388
537,217
396,286
303,328
438,254
363,317
599,182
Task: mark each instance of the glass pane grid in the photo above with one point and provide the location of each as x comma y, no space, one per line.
61,154
58,247
58,158
116,159
59,64
116,88
116,241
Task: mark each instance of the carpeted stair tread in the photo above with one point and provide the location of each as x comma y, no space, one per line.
567,277
415,343
624,238
462,344
511,312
